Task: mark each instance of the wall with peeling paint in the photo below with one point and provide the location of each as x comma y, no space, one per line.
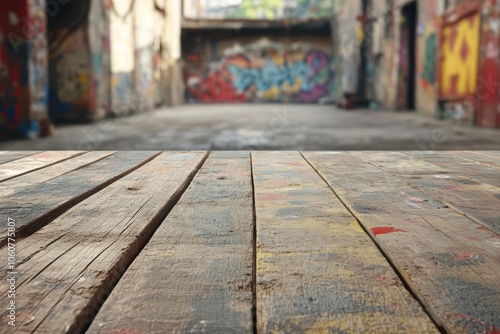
257,69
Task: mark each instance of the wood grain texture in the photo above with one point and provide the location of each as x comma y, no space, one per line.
7,156
69,266
487,158
22,166
195,274
45,174
36,206
449,262
317,270
450,180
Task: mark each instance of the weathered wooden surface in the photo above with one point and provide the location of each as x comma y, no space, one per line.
332,239
6,156
68,267
317,270
449,261
22,166
34,207
486,158
450,180
42,175
195,274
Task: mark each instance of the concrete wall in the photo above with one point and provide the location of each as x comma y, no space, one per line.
258,10
23,68
427,60
257,69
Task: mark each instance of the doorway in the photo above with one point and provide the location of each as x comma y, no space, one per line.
407,56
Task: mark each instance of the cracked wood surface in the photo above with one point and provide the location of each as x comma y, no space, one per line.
468,187
195,274
344,242
67,268
449,261
317,270
35,206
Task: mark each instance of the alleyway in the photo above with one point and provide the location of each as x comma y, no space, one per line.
265,127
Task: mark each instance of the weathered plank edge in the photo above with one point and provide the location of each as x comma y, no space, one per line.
77,153
27,230
438,198
84,319
22,155
399,272
478,162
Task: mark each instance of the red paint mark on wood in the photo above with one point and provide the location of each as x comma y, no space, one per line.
386,230
125,331
466,256
473,238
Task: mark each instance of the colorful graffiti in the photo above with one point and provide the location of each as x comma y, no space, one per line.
460,51
259,73
430,59
258,10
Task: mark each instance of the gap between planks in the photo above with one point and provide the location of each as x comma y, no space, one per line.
432,254
386,255
71,310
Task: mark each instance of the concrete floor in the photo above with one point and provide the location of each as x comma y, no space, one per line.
266,127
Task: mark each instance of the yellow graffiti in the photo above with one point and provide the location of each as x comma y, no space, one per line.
271,94
460,50
292,89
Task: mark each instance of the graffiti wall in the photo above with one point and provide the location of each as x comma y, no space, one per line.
487,99
23,61
427,58
122,56
258,70
258,10
79,60
99,47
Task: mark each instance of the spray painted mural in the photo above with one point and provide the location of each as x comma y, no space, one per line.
23,73
261,71
258,9
460,49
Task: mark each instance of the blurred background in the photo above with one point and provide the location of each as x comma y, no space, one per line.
250,74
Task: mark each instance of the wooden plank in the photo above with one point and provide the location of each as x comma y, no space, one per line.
487,158
450,264
457,166
9,156
36,206
451,181
42,175
67,268
25,165
317,270
195,275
